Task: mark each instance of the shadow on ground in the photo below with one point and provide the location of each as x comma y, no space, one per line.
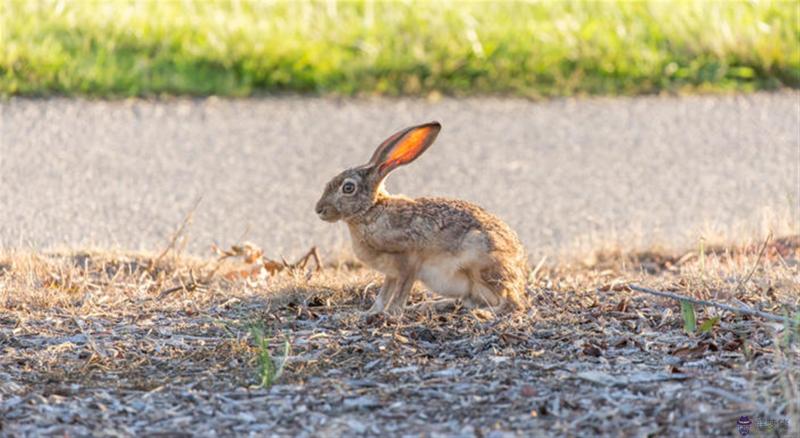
100,344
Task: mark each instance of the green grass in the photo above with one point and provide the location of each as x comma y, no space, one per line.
238,48
270,369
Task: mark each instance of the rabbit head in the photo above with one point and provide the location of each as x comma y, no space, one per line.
355,190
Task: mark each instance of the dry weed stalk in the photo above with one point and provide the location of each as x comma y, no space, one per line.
253,256
182,228
743,310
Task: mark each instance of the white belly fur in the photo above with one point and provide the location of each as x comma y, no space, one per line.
444,275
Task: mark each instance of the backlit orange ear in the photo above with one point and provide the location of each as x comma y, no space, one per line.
410,147
405,146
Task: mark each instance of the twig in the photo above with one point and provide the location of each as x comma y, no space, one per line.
740,310
301,263
253,255
191,286
539,265
177,234
733,397
89,338
313,254
758,261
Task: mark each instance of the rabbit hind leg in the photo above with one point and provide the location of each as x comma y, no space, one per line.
437,306
489,291
482,295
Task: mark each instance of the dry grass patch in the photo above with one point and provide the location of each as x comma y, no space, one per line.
95,342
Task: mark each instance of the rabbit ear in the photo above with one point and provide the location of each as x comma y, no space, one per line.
404,147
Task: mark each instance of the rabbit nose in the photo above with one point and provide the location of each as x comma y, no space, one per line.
320,209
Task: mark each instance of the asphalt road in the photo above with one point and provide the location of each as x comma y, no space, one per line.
123,174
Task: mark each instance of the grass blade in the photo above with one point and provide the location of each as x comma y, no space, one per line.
689,319
270,369
709,324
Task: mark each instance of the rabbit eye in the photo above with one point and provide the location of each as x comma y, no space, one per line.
349,187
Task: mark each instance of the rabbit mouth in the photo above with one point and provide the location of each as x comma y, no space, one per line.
328,215
327,212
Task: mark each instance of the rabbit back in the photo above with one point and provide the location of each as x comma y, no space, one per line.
461,250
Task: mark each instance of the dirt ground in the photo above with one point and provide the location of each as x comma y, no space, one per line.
128,345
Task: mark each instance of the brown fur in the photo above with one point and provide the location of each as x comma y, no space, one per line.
456,248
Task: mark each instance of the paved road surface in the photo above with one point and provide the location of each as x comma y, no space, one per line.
124,173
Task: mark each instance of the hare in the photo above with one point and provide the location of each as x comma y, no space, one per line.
455,248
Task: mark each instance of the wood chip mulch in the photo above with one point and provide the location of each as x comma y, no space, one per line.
89,345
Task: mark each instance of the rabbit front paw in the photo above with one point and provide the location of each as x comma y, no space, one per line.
374,310
376,313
